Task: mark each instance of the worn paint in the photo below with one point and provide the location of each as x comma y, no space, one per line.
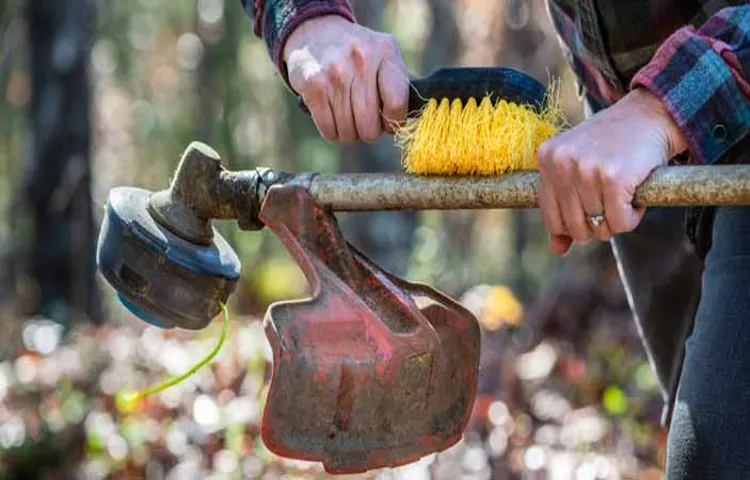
371,379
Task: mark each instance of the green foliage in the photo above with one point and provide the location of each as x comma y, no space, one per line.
615,401
279,279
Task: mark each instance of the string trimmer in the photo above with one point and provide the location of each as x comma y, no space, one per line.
371,371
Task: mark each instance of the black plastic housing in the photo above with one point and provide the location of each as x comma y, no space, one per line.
160,277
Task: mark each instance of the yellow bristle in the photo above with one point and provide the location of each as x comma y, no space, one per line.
454,131
449,138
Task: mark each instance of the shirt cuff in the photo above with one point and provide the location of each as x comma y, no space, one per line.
281,17
701,92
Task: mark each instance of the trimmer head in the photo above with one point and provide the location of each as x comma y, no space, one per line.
160,276
371,372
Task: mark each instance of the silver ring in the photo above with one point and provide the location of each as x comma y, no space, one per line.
596,220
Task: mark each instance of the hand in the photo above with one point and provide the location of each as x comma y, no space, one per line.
595,168
346,74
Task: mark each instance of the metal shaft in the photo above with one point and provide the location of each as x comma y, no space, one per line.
202,189
714,185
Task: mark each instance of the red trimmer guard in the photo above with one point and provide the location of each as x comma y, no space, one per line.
372,371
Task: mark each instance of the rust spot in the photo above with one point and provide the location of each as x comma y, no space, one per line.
344,401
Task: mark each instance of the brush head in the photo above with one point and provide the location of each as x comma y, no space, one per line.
477,121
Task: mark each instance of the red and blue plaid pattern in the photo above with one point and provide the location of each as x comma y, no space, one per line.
693,54
702,76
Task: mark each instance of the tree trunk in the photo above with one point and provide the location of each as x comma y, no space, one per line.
58,258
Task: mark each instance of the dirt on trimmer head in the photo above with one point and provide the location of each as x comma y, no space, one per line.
372,371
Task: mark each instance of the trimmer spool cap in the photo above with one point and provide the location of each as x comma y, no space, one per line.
160,277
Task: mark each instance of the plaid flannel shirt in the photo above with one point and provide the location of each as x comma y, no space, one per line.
693,54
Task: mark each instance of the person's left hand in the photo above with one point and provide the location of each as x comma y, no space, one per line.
595,168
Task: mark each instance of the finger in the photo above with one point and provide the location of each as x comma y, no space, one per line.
341,80
315,96
364,97
637,215
618,204
574,218
560,244
393,86
589,193
550,211
558,159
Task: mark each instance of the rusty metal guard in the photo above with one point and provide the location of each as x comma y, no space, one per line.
370,372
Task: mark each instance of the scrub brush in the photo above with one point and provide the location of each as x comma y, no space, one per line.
477,121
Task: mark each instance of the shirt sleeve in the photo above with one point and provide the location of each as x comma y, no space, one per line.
703,77
274,20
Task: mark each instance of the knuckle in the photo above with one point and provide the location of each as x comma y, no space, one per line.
545,151
388,44
561,162
359,49
586,171
558,157
394,102
335,72
607,174
315,87
564,153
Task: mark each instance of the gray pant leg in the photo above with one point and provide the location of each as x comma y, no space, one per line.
661,274
710,431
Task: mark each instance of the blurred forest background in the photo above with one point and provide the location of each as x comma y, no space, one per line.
99,94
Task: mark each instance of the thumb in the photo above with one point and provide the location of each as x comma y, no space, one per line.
635,217
393,86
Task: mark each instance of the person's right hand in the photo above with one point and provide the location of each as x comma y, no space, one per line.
352,79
